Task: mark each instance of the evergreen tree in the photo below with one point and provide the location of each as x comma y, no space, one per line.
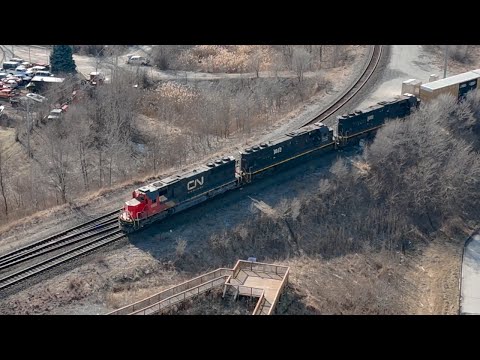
61,59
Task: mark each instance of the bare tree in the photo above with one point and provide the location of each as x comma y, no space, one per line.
81,125
4,176
301,62
338,53
256,62
288,51
57,158
460,53
164,55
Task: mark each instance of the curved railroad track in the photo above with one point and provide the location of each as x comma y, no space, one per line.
35,258
30,260
369,69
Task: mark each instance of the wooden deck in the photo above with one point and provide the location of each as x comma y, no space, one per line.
264,281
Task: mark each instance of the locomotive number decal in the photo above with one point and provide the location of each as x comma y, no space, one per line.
277,150
193,184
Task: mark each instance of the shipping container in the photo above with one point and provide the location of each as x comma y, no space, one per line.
411,86
457,86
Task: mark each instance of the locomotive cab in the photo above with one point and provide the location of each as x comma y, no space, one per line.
145,202
134,207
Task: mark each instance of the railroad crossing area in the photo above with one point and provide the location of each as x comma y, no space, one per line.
247,278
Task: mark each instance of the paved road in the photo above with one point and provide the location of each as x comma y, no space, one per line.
470,294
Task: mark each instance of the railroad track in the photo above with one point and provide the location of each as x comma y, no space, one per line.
374,59
35,258
30,260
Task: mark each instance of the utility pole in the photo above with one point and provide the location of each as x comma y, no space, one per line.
29,57
445,65
28,127
13,51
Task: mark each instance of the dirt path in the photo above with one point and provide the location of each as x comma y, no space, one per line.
436,271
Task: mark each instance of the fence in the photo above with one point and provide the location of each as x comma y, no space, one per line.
279,291
180,297
260,267
260,306
175,290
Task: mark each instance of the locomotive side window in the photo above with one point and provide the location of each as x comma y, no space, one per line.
370,118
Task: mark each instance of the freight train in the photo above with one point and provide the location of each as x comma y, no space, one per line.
180,191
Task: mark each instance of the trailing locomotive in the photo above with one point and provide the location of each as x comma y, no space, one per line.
372,118
290,146
178,192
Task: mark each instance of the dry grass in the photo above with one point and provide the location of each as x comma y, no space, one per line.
229,58
358,283
120,296
211,303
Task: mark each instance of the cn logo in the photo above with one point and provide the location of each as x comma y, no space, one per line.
278,150
193,184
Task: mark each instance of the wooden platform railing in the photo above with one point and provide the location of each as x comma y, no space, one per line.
154,299
279,292
180,297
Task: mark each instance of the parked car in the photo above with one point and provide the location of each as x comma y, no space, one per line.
36,97
19,60
43,65
23,76
55,114
137,60
7,93
43,73
11,83
34,69
10,65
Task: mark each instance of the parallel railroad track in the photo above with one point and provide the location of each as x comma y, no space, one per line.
30,260
45,254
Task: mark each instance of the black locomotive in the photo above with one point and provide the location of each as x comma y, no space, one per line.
155,201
